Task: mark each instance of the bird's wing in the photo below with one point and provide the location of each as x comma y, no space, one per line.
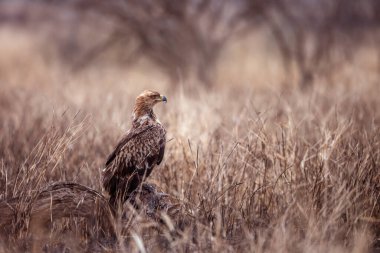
121,164
136,154
162,149
127,137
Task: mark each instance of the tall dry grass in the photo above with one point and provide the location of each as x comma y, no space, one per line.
258,168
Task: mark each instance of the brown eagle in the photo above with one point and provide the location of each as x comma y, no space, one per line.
138,152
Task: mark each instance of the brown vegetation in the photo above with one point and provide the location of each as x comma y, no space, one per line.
250,165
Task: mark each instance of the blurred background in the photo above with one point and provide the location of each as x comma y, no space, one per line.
211,43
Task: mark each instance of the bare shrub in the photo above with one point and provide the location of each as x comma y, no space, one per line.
186,39
315,38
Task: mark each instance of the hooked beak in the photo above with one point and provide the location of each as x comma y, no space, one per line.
163,99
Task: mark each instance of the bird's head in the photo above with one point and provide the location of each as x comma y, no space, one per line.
145,102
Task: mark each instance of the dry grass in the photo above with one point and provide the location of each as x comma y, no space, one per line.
261,170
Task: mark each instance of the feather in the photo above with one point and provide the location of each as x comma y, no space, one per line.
137,153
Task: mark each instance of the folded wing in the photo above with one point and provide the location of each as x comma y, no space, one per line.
132,160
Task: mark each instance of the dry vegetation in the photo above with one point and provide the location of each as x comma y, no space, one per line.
250,166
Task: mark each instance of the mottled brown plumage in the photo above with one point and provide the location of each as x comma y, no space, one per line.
138,152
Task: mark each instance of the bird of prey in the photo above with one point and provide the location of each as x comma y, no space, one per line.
138,152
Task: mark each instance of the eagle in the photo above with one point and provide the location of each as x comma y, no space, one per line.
138,151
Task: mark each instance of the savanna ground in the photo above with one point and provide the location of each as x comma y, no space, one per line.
260,167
